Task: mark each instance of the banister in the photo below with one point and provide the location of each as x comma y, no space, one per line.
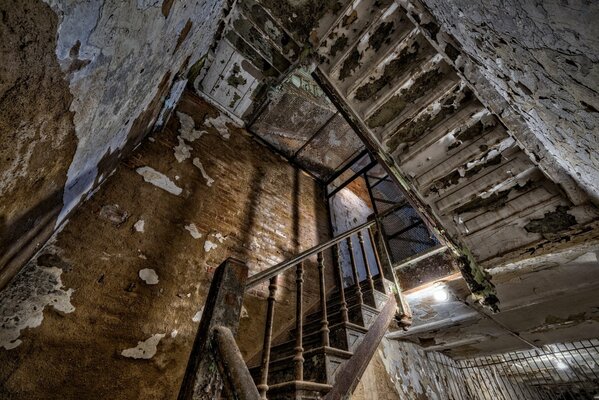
285,265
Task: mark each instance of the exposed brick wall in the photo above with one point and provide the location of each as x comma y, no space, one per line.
248,212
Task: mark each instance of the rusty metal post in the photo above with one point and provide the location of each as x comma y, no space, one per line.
299,323
339,270
366,264
202,381
270,309
354,270
324,323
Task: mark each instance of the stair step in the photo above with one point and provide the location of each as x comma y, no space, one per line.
361,316
298,390
282,370
344,336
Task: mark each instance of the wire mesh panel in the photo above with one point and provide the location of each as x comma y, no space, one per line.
406,234
568,371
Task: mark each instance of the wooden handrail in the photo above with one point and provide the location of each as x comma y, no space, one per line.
347,379
232,366
275,270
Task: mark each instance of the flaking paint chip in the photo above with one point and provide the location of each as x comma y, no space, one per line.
139,225
198,316
145,349
193,231
149,276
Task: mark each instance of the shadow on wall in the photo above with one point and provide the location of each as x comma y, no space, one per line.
134,265
21,238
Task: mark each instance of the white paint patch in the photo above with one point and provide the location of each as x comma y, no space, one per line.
208,245
244,312
145,349
160,180
171,101
23,301
149,276
182,150
141,60
193,231
139,225
220,123
187,130
198,316
197,163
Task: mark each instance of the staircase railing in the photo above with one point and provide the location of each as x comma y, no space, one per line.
272,274
215,344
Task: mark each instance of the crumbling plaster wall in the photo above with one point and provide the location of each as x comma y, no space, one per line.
112,305
402,370
543,58
80,84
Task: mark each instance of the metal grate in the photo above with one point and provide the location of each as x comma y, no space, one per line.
567,371
559,371
406,234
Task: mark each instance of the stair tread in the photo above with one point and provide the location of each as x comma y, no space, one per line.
277,363
315,334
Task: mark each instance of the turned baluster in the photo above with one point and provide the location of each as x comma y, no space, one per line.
339,271
324,323
270,308
366,264
354,270
299,325
376,257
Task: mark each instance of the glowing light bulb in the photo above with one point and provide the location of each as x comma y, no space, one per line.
441,294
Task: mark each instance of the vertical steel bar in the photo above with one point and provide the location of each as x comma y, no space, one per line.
339,270
270,309
354,270
523,382
583,359
324,323
506,376
299,323
376,255
366,264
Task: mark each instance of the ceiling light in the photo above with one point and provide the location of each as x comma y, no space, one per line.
441,294
561,365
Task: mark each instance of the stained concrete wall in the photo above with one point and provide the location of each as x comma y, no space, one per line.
542,57
111,307
80,84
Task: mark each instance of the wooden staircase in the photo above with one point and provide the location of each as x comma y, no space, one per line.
321,363
335,339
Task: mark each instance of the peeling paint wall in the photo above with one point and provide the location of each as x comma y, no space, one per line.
80,84
401,370
542,57
120,304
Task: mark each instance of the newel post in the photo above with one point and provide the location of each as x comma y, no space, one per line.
222,309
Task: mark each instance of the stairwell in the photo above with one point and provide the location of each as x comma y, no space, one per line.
331,344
